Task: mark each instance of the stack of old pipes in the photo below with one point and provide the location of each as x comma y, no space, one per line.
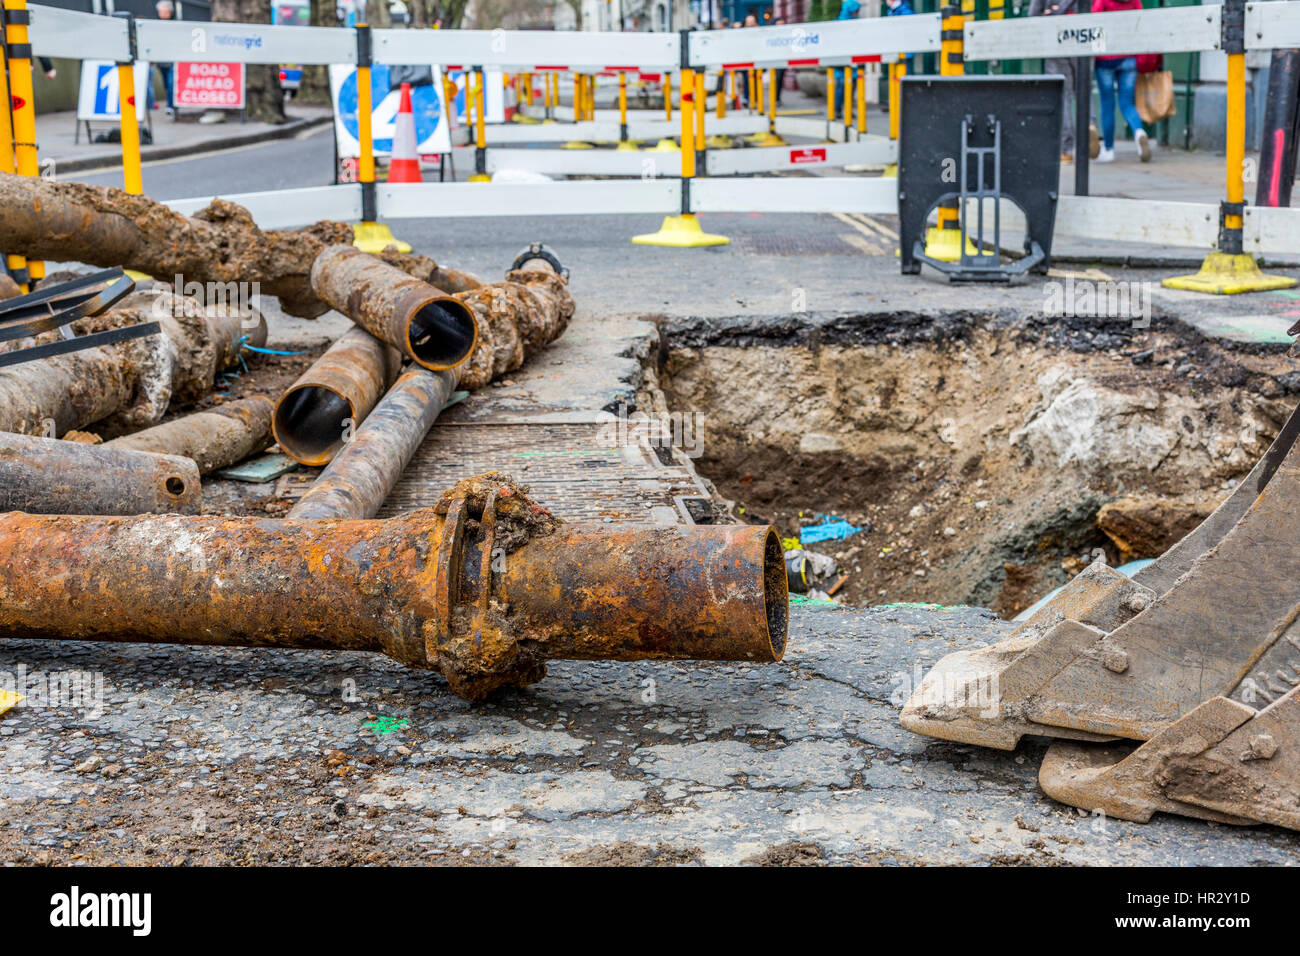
484,587
126,387
332,414
122,391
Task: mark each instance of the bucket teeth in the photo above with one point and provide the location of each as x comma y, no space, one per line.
984,696
1224,761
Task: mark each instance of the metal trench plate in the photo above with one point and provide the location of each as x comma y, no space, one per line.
578,471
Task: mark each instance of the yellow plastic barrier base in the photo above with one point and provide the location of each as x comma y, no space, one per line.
577,144
8,699
526,120
945,244
683,232
376,237
1225,274
480,178
891,171
722,141
629,146
665,146
766,139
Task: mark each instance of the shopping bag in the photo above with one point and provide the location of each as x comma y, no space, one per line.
1155,96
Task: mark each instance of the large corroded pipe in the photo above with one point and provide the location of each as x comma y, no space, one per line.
426,270
317,414
485,587
103,226
50,476
129,385
429,327
360,477
213,438
516,318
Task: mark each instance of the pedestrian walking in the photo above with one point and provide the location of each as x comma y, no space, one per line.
1061,66
1118,75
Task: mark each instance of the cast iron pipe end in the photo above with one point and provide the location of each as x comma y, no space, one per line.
439,332
308,423
514,587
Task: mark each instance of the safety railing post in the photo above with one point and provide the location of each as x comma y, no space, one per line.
15,263
830,100
18,49
622,106
944,242
365,110
369,235
1230,270
128,118
698,103
862,100
683,231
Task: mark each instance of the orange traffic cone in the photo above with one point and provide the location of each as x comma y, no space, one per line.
404,166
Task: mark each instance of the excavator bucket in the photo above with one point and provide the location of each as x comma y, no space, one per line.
1224,761
1111,657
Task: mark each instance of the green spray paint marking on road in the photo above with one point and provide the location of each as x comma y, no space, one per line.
385,725
799,600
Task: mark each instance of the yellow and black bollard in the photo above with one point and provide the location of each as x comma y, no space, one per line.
21,96
624,143
684,231
861,97
771,137
943,242
581,99
128,117
15,263
1230,269
368,235
480,129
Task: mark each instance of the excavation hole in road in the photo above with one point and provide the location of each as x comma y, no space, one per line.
985,458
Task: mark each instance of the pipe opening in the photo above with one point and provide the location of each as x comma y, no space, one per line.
776,593
441,334
175,485
309,423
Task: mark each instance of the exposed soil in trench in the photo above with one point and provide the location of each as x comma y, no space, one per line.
985,457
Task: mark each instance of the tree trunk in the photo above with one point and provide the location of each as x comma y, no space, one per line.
263,95
377,14
315,87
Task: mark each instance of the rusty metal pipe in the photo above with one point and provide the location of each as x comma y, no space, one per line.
361,476
50,476
432,329
484,588
213,438
127,386
316,414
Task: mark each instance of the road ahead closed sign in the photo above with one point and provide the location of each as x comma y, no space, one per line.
213,86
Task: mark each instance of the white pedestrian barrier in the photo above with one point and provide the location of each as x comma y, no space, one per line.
664,182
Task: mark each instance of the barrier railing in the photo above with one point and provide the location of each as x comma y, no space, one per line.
681,58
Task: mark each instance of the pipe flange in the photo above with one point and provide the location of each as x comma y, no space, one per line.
537,250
